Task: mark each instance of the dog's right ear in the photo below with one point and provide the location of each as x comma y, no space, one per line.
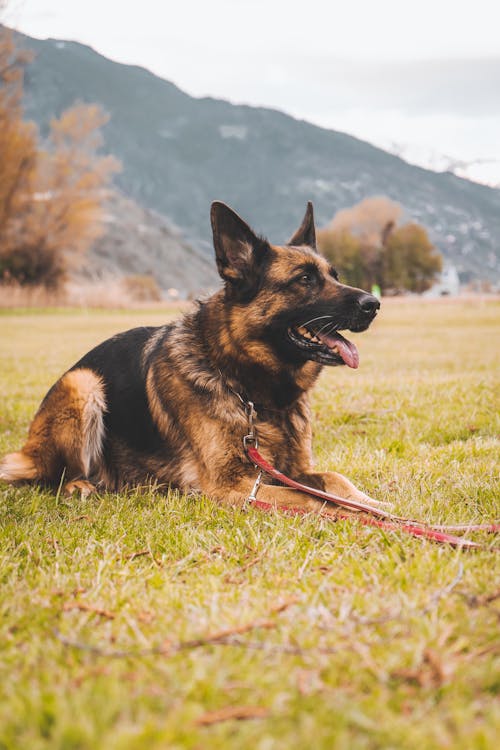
238,250
306,233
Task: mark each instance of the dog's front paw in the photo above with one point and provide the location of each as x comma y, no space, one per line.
378,503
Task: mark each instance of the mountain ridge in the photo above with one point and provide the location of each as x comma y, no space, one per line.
180,153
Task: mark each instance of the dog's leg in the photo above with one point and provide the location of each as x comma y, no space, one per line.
276,496
280,496
337,484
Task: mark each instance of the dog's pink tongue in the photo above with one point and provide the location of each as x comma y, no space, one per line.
346,349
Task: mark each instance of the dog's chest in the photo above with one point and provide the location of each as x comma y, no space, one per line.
285,438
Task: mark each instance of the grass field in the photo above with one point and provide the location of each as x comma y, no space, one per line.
152,621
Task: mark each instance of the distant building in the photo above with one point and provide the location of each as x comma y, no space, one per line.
447,283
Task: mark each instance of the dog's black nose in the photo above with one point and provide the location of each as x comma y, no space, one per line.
368,303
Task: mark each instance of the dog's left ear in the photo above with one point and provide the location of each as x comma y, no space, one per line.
238,250
306,233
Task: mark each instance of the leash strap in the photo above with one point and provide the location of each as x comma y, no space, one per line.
382,519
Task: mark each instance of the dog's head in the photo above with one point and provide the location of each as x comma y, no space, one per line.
288,299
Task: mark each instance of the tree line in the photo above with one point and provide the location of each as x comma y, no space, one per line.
369,248
51,189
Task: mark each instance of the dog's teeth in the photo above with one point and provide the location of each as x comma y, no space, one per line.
306,333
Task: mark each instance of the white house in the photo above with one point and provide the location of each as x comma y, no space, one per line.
447,283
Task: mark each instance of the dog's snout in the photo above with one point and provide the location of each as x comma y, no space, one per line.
368,304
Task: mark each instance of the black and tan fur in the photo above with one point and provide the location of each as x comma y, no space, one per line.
163,404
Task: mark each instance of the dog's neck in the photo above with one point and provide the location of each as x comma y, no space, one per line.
266,381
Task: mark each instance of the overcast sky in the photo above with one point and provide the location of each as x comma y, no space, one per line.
421,78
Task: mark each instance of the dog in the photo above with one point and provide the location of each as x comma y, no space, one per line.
169,405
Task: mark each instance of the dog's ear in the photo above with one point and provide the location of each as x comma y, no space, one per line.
238,250
306,233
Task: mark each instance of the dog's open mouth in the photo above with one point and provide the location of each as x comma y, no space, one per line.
328,348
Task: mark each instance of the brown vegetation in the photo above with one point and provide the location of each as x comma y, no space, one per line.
368,248
141,288
51,192
117,293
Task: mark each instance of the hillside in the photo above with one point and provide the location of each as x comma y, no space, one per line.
179,153
138,241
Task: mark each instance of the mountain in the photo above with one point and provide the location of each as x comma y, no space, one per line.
140,242
179,153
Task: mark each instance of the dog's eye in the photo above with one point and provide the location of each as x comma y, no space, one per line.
307,279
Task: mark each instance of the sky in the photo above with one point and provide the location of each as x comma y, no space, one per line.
421,79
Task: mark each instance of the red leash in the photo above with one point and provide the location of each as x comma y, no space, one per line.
389,523
382,519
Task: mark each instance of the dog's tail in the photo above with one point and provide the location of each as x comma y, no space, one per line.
18,467
67,433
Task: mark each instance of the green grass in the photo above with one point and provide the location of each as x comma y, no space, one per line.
384,641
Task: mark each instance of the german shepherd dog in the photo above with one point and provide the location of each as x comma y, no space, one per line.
166,405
